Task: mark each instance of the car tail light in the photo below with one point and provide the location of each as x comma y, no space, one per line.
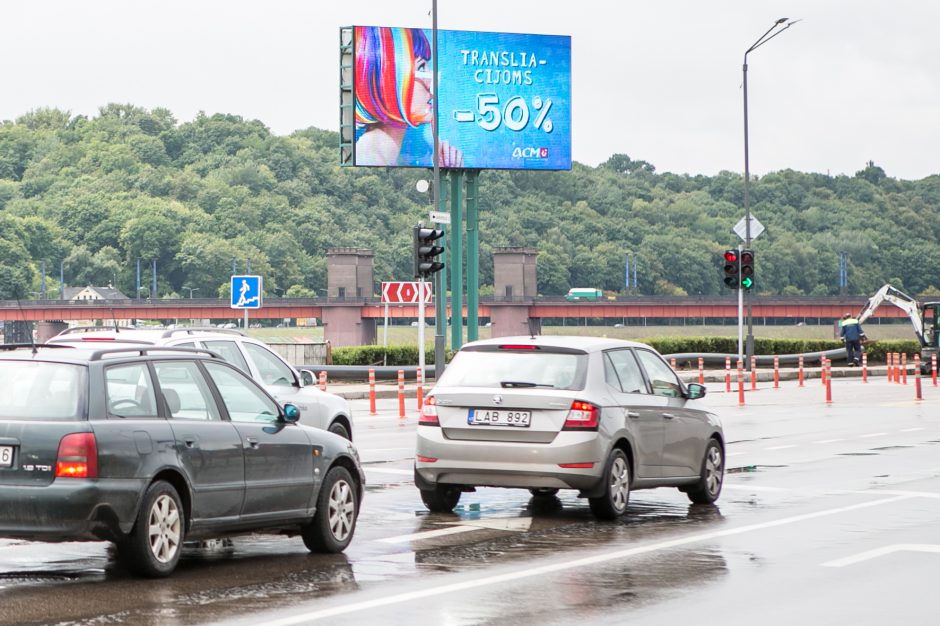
512,346
429,413
576,465
77,456
425,459
582,416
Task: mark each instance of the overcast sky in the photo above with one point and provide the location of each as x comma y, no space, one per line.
661,81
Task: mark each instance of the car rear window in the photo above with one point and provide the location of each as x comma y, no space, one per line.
41,391
516,368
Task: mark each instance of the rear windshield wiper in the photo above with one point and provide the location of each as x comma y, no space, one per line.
523,383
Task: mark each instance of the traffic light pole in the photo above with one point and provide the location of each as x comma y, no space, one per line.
740,310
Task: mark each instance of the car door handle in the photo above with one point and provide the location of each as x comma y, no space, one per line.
633,414
669,416
252,443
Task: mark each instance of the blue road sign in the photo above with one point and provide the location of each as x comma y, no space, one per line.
246,292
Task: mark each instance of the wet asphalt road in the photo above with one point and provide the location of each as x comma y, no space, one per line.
830,514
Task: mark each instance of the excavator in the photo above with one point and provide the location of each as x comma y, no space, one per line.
924,317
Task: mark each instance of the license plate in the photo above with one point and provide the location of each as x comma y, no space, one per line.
6,456
498,417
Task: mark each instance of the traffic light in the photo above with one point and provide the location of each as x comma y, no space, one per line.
747,269
426,251
732,269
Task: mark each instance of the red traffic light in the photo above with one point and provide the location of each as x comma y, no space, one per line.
731,256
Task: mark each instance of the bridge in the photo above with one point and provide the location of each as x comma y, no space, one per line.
351,321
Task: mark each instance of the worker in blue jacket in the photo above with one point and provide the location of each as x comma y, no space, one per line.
852,335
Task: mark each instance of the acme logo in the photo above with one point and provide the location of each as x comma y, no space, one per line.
530,153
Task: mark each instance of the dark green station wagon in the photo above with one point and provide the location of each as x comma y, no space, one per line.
148,447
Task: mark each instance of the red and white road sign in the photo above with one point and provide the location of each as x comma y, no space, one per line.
405,293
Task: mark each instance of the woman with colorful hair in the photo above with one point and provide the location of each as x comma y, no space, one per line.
394,100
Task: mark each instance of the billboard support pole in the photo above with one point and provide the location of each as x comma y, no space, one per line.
440,302
456,258
473,256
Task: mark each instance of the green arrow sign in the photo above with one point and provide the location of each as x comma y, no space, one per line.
747,283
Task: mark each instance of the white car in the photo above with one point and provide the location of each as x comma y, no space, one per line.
317,408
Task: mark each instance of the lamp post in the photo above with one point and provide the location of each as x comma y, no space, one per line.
191,290
778,27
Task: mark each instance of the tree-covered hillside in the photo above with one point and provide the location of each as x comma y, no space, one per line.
100,193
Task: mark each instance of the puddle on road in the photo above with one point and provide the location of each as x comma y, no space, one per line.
752,468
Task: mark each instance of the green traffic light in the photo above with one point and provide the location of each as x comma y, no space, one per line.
747,283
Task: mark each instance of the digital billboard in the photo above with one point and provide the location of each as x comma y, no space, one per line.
504,101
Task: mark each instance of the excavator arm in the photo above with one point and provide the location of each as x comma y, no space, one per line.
901,300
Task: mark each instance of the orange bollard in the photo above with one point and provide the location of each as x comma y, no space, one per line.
801,370
371,391
822,370
701,371
891,367
420,389
401,394
918,391
323,381
673,363
933,368
864,368
776,372
753,373
828,368
727,374
740,383
904,368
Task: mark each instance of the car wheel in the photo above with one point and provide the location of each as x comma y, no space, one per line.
153,547
708,487
616,479
441,499
337,428
334,523
543,492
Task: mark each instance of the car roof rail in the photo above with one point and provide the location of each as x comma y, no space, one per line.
16,346
87,341
196,329
92,329
146,350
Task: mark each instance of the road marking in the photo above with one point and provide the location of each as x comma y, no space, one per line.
734,454
754,488
872,435
363,450
910,430
782,447
530,572
878,552
428,534
829,441
389,470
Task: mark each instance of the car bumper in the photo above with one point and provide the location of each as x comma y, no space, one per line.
519,465
70,510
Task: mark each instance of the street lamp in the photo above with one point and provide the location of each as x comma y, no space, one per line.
191,290
779,26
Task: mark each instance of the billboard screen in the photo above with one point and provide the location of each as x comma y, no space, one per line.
504,102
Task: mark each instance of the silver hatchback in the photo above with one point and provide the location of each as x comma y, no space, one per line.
601,416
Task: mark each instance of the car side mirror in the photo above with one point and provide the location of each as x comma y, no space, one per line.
291,413
306,376
696,391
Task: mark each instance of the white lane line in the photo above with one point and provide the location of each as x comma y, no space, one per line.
389,470
734,454
363,449
910,430
530,572
829,441
428,534
754,488
781,447
877,552
872,435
